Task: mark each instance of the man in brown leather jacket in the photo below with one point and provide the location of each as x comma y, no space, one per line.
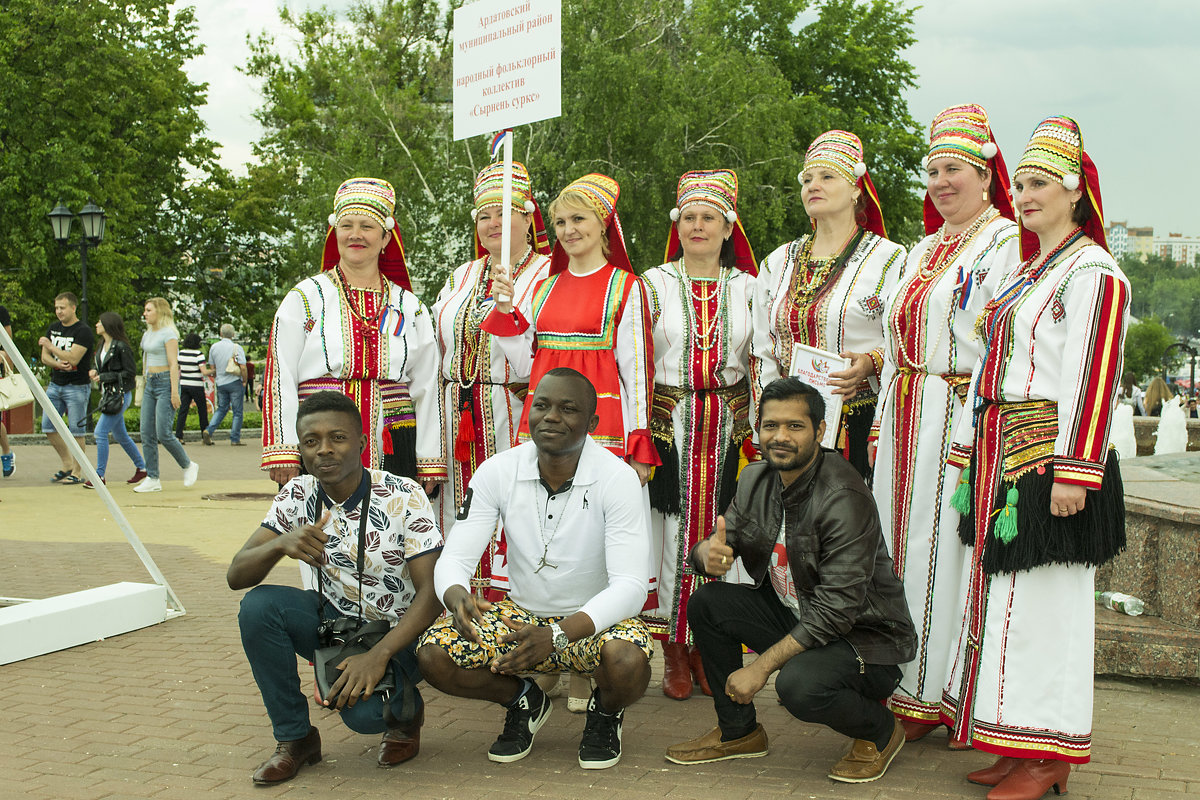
826,611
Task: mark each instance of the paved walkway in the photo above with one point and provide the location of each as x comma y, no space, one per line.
172,712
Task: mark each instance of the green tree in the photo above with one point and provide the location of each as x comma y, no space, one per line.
846,70
368,99
651,88
1145,343
96,106
1165,289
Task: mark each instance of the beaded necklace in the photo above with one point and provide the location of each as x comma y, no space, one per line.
985,324
810,275
942,255
704,337
478,306
934,262
346,296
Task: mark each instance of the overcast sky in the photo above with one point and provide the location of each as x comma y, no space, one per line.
1126,71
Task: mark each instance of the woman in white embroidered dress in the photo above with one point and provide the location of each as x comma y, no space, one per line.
480,408
826,289
930,351
700,313
1044,503
357,328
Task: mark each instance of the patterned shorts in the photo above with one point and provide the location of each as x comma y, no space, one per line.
582,656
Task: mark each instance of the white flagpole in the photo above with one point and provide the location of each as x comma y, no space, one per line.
506,211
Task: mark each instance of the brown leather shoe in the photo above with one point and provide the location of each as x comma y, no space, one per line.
401,744
677,675
915,729
709,747
865,762
698,670
990,776
289,757
1031,778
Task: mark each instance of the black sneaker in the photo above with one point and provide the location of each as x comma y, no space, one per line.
600,747
521,724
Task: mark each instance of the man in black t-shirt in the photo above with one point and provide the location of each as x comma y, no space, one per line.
67,350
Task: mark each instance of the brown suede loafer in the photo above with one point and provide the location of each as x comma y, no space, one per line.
402,743
289,757
865,762
709,747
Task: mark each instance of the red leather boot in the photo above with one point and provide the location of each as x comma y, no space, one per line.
1030,779
677,677
990,776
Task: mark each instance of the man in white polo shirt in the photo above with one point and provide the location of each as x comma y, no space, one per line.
578,560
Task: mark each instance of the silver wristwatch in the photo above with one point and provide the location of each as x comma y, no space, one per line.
559,637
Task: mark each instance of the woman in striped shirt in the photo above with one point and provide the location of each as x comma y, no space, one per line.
192,371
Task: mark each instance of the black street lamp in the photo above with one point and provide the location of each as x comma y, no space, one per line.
91,219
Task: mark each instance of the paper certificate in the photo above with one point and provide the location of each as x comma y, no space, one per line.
813,367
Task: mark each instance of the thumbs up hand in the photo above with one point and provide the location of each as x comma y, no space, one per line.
718,556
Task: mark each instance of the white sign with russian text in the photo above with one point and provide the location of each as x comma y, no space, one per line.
506,64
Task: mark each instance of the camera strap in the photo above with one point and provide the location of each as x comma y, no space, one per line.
409,712
364,508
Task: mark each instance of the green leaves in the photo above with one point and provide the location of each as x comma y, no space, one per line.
651,89
97,106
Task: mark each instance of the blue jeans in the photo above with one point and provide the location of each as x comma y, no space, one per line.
279,623
229,394
115,424
157,416
71,402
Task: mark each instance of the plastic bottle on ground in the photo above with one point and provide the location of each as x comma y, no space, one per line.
1124,603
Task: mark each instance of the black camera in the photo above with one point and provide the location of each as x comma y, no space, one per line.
340,638
337,631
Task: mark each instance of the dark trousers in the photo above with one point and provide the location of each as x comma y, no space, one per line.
187,396
826,685
279,623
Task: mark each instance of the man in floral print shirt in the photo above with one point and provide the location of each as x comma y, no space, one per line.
315,519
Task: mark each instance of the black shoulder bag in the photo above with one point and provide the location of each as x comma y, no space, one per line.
343,636
112,399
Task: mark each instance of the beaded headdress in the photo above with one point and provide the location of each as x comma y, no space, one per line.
842,152
600,193
718,189
963,132
1055,151
374,198
370,197
489,191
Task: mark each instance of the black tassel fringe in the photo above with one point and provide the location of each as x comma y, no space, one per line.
1091,537
664,486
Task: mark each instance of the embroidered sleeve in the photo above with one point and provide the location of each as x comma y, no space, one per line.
1094,304
635,366
289,330
422,370
764,366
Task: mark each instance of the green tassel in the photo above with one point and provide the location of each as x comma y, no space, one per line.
1006,522
960,501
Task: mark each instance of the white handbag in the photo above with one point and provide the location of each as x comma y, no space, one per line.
14,391
232,367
